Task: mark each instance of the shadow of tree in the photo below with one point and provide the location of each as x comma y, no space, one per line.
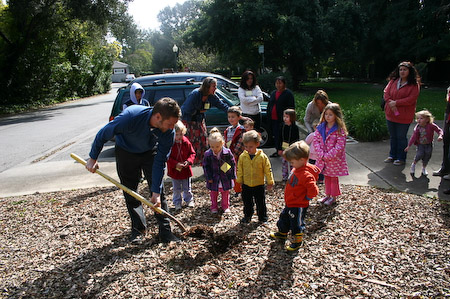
277,272
55,283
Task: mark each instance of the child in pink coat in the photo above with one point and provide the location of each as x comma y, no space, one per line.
329,145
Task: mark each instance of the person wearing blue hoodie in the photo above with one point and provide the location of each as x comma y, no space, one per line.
144,138
137,93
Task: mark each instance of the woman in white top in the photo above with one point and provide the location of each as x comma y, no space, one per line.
250,96
315,108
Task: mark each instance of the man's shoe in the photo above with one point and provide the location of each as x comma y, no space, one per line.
278,235
136,237
446,177
177,206
169,238
424,172
439,172
191,204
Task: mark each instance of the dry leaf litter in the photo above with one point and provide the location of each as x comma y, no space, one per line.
372,243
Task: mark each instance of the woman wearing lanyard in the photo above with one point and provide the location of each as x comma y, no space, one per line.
250,96
193,115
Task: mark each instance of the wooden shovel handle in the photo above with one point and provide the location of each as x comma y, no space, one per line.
131,192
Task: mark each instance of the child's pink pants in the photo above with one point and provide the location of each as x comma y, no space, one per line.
225,199
332,186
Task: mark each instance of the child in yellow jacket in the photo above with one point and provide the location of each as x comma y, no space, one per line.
253,167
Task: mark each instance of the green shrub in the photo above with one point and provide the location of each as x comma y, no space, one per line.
301,101
366,122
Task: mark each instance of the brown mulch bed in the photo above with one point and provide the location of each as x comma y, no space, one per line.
372,243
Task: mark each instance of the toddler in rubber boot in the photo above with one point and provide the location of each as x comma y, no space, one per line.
300,189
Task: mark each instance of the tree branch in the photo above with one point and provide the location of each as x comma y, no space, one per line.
5,38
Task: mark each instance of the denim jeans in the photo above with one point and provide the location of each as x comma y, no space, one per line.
181,186
399,141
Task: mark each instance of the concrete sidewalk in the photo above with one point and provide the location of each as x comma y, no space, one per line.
365,160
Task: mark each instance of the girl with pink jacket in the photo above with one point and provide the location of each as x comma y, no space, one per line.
329,145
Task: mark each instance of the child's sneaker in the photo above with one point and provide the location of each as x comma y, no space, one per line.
296,243
424,172
177,206
413,168
323,199
278,235
214,211
191,204
330,201
227,211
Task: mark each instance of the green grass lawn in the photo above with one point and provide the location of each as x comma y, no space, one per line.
349,95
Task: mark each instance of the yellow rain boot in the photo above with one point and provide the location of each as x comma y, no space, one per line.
296,242
278,235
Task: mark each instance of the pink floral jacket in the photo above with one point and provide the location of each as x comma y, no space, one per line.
330,150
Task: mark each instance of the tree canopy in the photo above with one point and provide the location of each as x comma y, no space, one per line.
307,35
51,50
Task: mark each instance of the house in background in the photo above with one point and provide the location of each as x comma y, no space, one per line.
120,71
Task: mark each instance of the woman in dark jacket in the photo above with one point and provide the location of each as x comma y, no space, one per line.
280,100
193,115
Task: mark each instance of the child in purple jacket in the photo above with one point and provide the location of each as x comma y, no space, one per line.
220,170
423,138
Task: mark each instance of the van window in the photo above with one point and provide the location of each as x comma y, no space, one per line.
176,94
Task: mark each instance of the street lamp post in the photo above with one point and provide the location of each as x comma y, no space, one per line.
175,51
261,51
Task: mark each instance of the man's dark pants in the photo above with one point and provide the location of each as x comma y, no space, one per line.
129,168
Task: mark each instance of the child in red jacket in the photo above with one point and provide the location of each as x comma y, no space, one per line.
300,189
179,167
234,138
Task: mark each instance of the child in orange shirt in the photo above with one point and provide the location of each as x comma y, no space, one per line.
300,189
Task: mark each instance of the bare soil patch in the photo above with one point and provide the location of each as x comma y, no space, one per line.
372,243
